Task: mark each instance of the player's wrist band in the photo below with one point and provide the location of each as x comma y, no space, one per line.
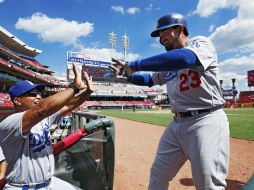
74,87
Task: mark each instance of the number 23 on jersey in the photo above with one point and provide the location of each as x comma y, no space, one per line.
189,79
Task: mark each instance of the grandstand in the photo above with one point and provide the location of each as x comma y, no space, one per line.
113,92
17,62
246,98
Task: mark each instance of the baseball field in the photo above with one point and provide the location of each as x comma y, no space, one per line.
241,120
137,136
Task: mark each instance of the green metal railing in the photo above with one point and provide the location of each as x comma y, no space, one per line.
89,163
250,184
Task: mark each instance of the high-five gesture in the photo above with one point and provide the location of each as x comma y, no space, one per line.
86,84
122,66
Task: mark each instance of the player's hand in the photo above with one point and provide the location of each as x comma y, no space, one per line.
89,82
86,84
124,67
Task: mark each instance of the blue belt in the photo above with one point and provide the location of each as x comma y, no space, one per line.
37,186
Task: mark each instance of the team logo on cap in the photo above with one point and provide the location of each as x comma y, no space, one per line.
158,24
30,82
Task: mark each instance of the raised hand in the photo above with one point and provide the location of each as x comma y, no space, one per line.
122,66
78,79
89,82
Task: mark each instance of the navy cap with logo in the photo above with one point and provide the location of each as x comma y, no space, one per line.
22,87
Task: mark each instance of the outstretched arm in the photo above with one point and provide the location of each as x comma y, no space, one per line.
78,100
49,105
169,61
144,79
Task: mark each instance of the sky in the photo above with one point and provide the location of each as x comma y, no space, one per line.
58,26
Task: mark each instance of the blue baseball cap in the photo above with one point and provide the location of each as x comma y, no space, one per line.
22,87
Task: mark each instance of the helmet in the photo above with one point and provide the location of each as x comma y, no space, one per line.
169,20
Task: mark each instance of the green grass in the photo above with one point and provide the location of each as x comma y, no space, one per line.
152,118
241,121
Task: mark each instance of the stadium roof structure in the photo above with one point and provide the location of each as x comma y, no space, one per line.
10,41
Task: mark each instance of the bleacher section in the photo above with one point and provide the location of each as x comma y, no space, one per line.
96,72
246,97
28,62
17,62
101,104
5,101
114,90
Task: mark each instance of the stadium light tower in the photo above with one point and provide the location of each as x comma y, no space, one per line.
112,41
125,45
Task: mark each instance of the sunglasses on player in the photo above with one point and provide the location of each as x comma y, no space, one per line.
32,94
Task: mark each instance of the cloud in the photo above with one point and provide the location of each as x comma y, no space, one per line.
151,7
122,10
118,9
1,1
238,33
206,8
236,67
211,28
240,82
132,10
156,44
55,29
242,63
235,38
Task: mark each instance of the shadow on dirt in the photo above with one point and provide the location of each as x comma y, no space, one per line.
231,184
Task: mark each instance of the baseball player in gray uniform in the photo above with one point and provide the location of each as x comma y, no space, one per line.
199,131
25,136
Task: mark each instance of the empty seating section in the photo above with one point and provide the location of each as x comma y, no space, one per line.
91,103
119,91
22,70
5,101
42,77
111,103
95,72
8,77
125,103
32,63
16,68
246,97
21,66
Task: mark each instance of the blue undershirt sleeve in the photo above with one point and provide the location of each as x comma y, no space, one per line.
144,79
172,60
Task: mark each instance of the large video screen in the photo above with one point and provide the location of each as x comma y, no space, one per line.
95,68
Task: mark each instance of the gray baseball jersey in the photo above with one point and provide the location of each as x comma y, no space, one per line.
1,155
204,138
29,156
197,87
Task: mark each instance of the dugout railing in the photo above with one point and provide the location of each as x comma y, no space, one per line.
88,163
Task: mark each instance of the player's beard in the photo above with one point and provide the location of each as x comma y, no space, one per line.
171,45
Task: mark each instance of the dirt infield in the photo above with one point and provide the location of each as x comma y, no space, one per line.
136,144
